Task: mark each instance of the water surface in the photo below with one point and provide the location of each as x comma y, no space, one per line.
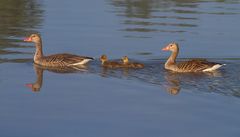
93,101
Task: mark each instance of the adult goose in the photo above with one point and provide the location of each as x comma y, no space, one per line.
196,65
56,60
128,64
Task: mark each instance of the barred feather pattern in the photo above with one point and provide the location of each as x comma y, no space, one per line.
62,60
194,66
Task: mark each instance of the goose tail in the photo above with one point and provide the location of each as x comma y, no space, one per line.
214,67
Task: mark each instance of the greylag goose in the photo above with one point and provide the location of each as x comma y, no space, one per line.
109,64
128,64
56,60
196,65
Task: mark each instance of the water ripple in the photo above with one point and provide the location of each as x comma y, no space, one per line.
224,82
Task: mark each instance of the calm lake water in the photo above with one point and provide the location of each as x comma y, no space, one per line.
97,102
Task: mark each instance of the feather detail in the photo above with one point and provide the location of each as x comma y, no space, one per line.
61,60
196,66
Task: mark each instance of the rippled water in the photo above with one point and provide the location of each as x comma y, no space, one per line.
93,101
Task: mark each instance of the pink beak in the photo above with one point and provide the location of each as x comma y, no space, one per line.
28,39
29,85
165,48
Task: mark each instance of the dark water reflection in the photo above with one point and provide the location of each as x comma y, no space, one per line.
17,18
140,15
173,16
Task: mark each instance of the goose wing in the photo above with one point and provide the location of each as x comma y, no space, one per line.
65,59
195,65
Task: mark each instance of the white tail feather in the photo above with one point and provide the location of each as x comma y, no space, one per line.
215,67
84,61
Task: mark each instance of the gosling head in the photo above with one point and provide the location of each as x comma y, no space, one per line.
103,58
125,60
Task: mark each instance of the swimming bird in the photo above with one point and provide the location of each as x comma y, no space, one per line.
195,65
56,60
128,64
109,64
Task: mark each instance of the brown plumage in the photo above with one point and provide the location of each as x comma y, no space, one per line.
195,65
109,64
56,60
128,64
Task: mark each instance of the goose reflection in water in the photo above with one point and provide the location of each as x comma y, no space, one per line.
36,86
175,81
172,82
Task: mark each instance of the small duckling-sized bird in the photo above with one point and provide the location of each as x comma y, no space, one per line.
195,65
109,64
128,64
56,60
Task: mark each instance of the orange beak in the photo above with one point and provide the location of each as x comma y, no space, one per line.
28,39
165,48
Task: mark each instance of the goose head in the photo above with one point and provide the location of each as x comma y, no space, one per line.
171,47
33,38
